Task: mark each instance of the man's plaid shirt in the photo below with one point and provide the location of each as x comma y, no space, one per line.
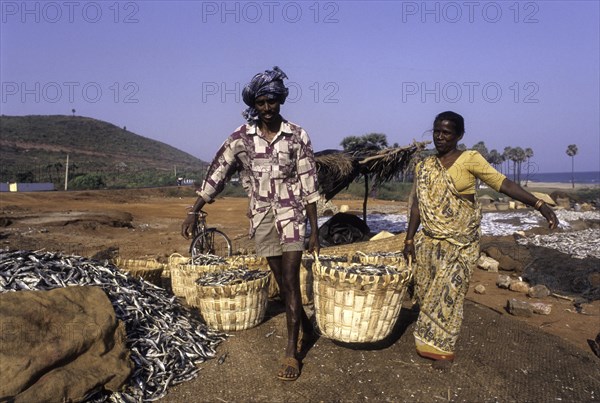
280,175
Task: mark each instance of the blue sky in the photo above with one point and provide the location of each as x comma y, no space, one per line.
522,73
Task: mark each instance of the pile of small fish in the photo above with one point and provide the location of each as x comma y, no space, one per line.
578,244
208,259
570,215
492,223
367,270
165,338
230,277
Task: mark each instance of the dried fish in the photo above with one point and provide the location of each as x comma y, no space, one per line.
166,339
492,223
208,259
369,270
577,244
230,276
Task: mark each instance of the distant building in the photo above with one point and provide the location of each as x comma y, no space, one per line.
26,187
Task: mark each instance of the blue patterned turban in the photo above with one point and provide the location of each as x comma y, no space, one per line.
269,83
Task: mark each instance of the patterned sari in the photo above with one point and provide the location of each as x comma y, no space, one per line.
447,249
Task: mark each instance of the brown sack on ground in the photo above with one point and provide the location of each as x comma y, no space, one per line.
60,345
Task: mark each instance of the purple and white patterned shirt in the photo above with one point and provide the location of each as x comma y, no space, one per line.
279,175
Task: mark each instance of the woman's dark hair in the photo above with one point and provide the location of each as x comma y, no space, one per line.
453,117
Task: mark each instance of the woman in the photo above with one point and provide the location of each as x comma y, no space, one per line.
446,250
279,173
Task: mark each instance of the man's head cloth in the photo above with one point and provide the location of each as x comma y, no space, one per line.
269,83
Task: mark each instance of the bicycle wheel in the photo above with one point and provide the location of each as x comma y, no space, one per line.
213,242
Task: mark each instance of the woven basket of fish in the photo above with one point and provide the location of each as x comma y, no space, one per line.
358,303
150,270
306,274
257,262
379,258
175,259
184,276
233,299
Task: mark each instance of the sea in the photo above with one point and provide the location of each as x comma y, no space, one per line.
590,177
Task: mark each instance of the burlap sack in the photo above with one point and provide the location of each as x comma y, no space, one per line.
60,345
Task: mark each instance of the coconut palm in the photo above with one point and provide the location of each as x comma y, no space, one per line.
528,155
506,155
495,158
519,157
482,149
480,146
572,152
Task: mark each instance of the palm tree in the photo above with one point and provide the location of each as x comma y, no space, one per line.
480,146
572,152
506,156
519,157
495,158
482,149
73,111
528,155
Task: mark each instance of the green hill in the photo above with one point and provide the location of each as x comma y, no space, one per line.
35,149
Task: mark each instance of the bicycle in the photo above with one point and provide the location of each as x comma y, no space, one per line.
208,240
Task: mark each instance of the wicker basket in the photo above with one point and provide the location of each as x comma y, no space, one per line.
355,308
149,270
306,284
261,263
174,260
234,307
184,276
378,258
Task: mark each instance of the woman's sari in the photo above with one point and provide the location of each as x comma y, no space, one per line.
447,249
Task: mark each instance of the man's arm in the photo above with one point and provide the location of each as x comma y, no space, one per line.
313,242
216,177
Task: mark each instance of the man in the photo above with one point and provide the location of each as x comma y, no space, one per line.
278,169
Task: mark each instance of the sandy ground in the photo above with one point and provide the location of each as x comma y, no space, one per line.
145,223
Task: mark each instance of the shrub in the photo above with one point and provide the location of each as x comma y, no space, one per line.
87,182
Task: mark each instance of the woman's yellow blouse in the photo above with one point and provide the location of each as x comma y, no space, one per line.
470,165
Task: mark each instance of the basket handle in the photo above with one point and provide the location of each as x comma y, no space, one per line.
316,256
173,256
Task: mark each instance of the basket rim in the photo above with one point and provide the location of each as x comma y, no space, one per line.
256,281
401,278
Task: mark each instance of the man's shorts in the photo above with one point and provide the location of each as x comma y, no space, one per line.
267,239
